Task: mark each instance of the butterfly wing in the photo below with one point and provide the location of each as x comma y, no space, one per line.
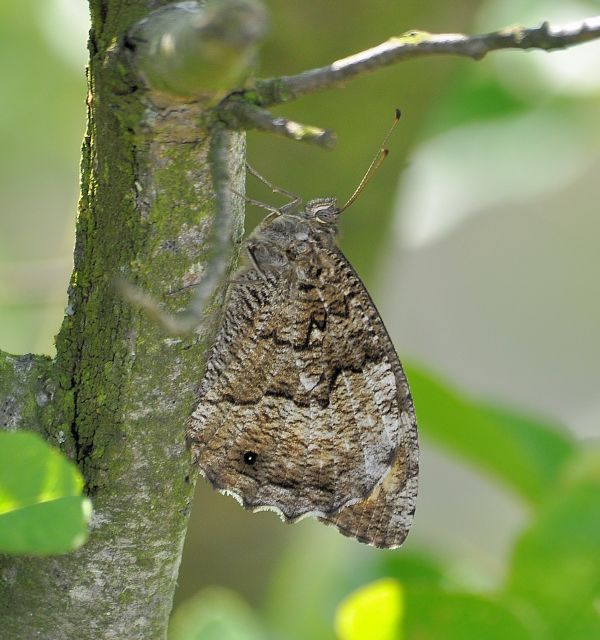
304,408
384,517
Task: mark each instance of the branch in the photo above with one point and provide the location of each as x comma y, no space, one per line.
415,44
240,114
25,391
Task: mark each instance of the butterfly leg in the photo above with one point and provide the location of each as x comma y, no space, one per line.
294,199
274,210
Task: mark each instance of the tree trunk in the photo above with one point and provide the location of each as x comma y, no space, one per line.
117,395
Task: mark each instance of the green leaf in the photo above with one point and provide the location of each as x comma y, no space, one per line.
214,614
556,562
374,611
410,568
384,610
310,579
474,97
41,508
527,455
433,614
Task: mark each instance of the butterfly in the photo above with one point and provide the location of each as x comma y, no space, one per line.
304,407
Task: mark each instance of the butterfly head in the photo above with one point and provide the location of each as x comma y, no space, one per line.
322,210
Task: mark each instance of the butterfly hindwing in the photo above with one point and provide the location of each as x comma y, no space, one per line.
304,407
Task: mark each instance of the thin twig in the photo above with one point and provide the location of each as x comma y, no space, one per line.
238,113
184,322
414,44
244,110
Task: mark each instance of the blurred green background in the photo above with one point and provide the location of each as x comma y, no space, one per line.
479,243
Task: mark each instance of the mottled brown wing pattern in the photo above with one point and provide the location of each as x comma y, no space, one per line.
383,519
304,408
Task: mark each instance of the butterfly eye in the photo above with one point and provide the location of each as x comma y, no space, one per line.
325,214
250,457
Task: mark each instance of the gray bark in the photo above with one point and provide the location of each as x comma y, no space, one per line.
119,391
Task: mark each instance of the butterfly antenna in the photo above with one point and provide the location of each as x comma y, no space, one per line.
377,161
